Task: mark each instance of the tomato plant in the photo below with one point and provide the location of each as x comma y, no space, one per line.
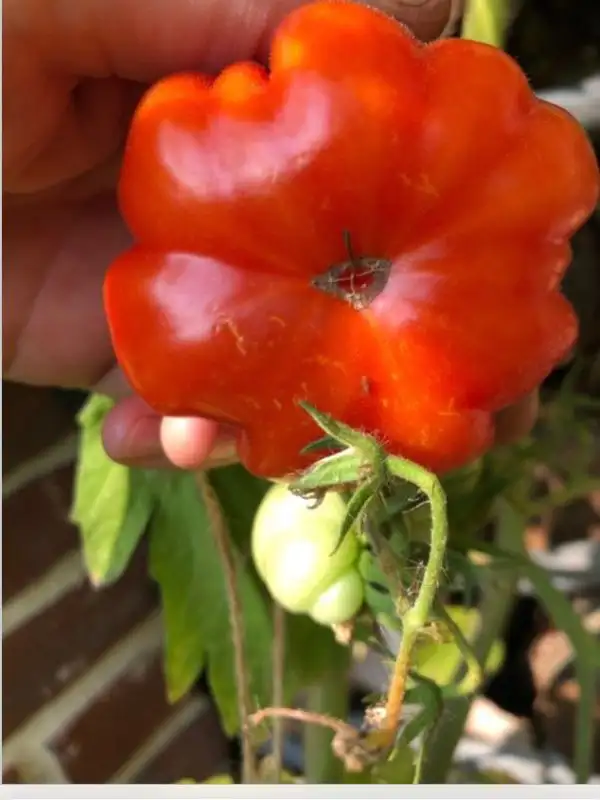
296,553
373,225
360,249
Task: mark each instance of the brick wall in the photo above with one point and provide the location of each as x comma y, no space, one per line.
83,692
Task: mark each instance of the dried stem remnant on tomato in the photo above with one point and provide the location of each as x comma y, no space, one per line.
236,190
358,281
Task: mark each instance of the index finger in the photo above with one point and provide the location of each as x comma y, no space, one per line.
143,40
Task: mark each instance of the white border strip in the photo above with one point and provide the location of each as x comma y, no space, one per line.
264,792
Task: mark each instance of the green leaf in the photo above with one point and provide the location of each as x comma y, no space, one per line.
432,705
336,470
430,697
357,507
186,564
175,557
324,443
342,433
112,504
94,410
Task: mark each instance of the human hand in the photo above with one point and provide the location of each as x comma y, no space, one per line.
73,75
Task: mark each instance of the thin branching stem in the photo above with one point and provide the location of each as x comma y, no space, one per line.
242,675
301,715
278,688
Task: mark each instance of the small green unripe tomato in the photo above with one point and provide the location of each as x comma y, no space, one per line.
293,549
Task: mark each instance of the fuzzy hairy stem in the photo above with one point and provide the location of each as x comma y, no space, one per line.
417,617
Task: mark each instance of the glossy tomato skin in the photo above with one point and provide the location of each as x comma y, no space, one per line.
435,158
296,553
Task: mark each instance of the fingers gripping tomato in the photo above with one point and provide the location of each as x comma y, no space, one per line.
376,226
294,551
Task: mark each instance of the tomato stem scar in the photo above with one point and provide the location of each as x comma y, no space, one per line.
358,280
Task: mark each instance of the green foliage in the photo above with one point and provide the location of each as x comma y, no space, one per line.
112,504
185,562
399,768
391,504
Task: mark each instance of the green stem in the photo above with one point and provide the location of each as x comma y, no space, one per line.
331,696
417,617
487,21
498,598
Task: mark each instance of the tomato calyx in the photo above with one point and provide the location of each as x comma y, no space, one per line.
358,280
